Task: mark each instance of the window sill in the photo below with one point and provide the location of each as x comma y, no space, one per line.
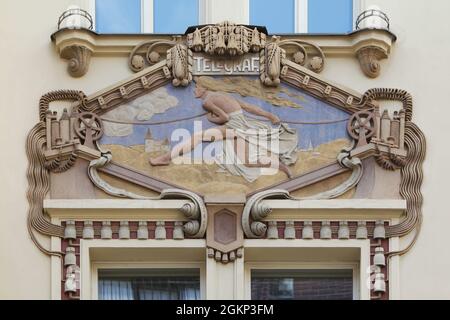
77,46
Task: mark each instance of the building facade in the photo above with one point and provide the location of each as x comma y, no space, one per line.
224,149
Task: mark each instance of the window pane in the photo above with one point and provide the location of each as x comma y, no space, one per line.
118,16
302,284
330,16
149,284
277,16
174,16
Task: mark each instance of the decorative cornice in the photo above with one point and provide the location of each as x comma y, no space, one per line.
351,45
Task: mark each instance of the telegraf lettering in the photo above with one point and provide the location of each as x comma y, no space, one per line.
248,65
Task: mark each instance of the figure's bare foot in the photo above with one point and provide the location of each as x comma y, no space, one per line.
163,160
284,168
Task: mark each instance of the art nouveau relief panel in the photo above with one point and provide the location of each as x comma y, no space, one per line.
145,133
224,122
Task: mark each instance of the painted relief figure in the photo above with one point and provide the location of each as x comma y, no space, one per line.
225,135
250,146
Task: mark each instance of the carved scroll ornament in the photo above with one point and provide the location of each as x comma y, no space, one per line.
255,210
148,53
369,60
79,58
274,56
194,210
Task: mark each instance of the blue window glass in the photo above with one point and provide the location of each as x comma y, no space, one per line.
118,16
278,16
330,16
174,16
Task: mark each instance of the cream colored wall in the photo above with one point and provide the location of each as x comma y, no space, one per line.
29,67
419,63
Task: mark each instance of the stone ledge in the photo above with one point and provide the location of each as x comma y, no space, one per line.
340,209
369,46
110,209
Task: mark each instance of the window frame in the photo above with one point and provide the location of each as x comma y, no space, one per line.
249,266
115,248
146,265
147,21
206,8
301,14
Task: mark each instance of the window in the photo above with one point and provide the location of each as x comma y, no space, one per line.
278,16
148,284
330,16
303,16
174,16
146,16
302,284
118,16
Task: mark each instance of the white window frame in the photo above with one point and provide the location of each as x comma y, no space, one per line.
302,266
147,265
89,266
360,265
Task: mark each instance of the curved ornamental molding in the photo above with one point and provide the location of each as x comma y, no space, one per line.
255,210
194,210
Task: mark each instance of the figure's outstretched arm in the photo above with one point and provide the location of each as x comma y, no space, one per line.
259,111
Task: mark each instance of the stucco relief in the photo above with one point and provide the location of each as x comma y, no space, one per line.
255,137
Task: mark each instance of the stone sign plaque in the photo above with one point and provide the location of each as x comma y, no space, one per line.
243,65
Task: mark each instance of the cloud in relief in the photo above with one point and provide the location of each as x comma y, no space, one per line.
140,109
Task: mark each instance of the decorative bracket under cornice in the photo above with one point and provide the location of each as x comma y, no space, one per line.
79,58
369,46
